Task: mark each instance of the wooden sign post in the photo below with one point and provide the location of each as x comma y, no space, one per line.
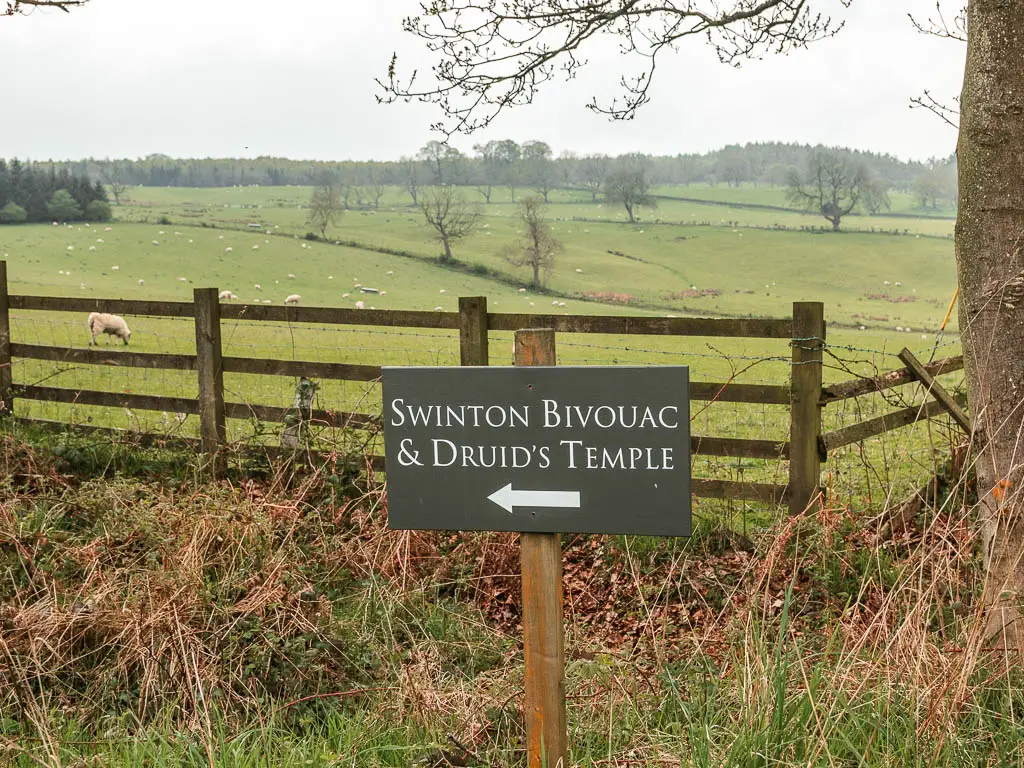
543,634
539,450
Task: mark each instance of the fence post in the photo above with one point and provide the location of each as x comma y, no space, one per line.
805,405
6,374
212,428
473,330
543,633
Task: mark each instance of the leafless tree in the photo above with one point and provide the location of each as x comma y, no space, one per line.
450,215
493,54
113,176
411,173
537,247
325,207
593,172
835,186
628,186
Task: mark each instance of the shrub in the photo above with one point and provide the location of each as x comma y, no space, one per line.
98,210
12,213
312,236
62,206
164,221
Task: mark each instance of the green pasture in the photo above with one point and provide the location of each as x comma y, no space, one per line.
902,205
648,265
208,243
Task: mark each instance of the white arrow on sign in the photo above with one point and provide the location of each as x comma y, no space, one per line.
507,498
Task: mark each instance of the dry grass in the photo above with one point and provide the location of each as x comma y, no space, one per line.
208,607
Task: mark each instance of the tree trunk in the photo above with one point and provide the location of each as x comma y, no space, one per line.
629,212
447,250
536,276
990,267
835,224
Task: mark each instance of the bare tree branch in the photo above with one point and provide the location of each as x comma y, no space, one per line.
493,54
939,27
20,6
933,105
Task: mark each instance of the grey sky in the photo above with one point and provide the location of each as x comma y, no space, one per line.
253,77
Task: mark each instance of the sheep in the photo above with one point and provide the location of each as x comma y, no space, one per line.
360,305
141,281
228,249
115,268
258,287
330,277
291,276
443,290
182,279
156,242
292,299
345,295
439,309
92,247
383,293
226,296
255,247
112,325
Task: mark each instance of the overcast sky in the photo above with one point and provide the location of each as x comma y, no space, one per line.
125,78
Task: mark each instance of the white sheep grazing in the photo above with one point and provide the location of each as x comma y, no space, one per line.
141,281
112,325
360,305
345,295
291,276
258,287
439,309
292,299
226,296
115,268
228,249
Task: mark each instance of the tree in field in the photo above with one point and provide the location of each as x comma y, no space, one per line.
927,188
113,175
325,207
539,168
593,172
835,186
62,206
12,213
537,247
411,175
442,160
494,54
627,186
450,215
489,169
508,154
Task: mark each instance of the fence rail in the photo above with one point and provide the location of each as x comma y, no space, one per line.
805,396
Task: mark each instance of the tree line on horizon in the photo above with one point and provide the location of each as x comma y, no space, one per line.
508,164
31,192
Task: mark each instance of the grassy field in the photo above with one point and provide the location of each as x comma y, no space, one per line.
662,268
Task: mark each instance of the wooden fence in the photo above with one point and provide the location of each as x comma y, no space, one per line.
805,449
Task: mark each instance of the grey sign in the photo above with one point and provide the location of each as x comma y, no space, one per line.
553,449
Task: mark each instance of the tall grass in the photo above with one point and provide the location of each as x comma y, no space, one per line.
150,618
